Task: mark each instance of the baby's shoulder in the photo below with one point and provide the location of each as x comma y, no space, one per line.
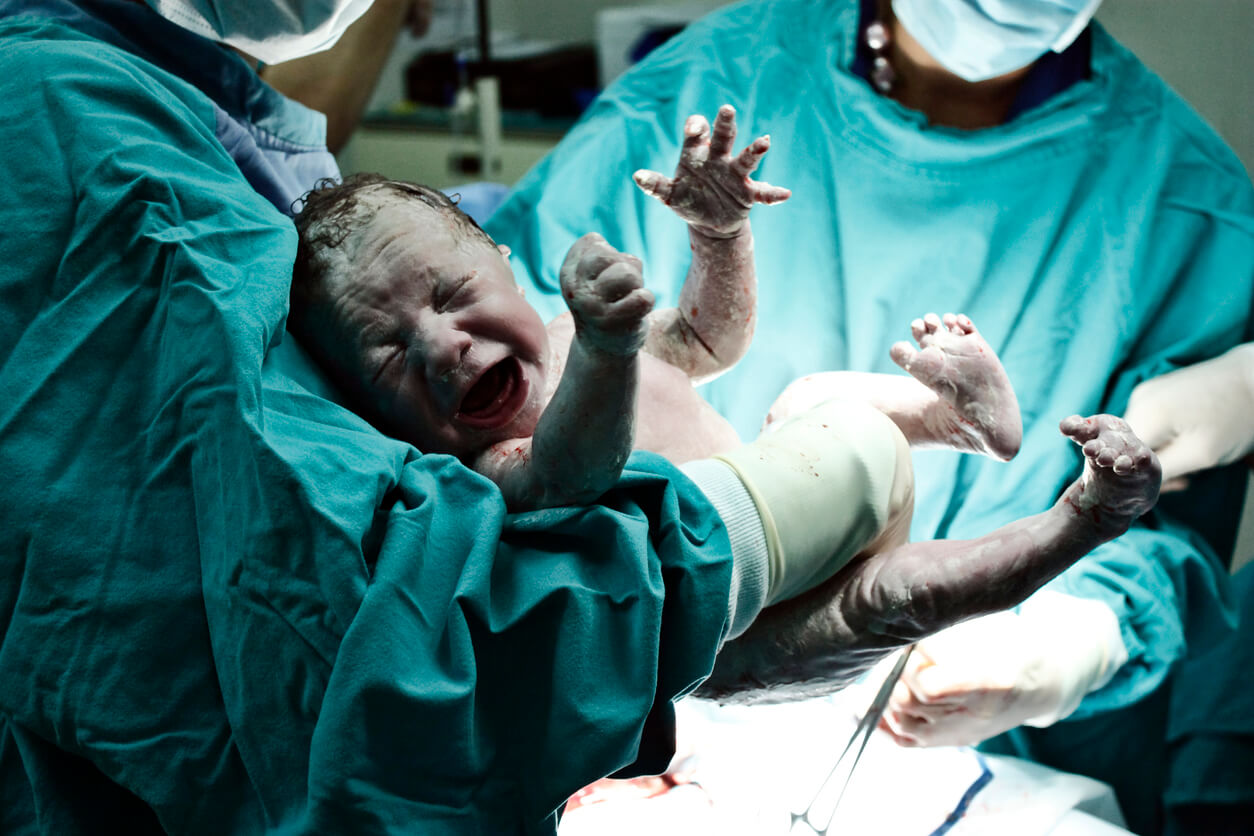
561,333
561,330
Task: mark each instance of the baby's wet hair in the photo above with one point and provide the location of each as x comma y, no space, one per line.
332,210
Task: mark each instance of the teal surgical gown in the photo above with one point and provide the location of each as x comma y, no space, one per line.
228,605
1098,239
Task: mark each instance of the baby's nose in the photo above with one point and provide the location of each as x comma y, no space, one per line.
447,354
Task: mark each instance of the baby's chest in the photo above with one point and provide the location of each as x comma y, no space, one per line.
675,421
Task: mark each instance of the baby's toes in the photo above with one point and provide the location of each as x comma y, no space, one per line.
903,353
1115,426
1100,453
918,329
1135,455
1079,428
926,365
1115,446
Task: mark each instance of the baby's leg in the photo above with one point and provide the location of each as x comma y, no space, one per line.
959,396
1120,482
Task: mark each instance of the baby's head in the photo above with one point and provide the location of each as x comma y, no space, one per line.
414,311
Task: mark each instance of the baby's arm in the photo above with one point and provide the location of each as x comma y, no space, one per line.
587,430
711,190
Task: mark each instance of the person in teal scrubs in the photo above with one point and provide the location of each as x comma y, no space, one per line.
1198,418
227,604
1067,200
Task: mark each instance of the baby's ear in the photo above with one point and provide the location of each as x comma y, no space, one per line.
505,251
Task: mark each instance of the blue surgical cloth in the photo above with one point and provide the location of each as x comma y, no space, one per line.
228,605
1100,238
278,144
1212,735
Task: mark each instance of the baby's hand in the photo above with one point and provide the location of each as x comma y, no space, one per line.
605,292
711,189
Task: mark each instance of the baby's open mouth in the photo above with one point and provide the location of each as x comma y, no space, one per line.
496,397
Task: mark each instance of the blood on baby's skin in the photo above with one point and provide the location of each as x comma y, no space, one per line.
694,312
518,451
1095,513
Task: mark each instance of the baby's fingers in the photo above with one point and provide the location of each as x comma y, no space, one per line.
653,183
630,308
618,326
618,280
748,159
724,131
696,147
768,194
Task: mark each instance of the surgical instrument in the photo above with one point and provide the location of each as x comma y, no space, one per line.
861,734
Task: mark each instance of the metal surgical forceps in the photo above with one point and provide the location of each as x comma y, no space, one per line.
860,736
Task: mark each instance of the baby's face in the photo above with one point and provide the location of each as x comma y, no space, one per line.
445,346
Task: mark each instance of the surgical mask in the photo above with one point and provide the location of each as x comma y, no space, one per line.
271,30
980,39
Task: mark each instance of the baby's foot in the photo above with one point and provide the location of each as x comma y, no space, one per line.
1121,474
977,409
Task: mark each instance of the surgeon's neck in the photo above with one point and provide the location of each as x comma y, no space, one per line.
253,62
923,84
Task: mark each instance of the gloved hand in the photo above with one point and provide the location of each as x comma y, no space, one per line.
1199,416
827,484
991,674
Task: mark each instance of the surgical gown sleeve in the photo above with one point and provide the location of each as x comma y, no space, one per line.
230,604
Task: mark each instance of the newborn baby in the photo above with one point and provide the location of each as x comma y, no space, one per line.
415,313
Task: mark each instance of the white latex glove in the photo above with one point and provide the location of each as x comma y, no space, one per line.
991,674
1197,417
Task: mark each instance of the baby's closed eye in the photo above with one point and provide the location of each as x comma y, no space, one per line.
452,294
387,357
